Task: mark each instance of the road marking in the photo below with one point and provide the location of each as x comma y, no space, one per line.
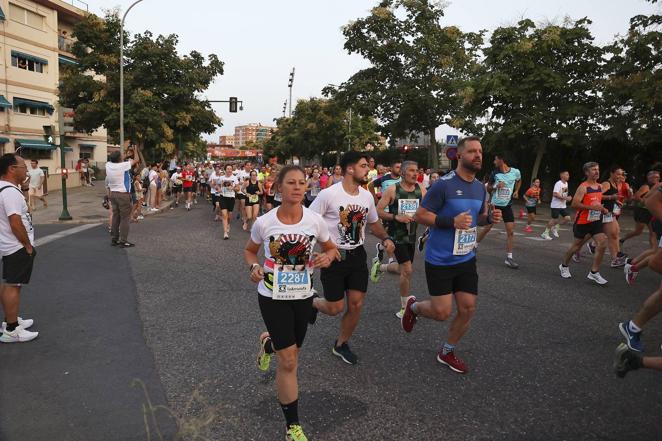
51,237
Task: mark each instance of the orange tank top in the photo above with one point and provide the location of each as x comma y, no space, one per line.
593,196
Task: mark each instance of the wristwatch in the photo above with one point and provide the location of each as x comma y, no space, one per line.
253,265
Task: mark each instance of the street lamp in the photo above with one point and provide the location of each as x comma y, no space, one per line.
122,75
290,83
285,108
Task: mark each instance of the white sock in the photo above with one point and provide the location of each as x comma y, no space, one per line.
403,301
510,255
556,227
633,327
391,259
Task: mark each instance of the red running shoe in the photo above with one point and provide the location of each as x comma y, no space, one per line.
452,362
408,319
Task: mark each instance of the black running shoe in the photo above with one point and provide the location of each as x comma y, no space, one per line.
114,243
345,353
126,245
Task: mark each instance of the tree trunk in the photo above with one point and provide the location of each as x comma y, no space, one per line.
540,152
433,155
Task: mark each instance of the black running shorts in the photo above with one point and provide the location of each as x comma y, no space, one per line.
349,273
581,230
188,189
227,203
404,252
176,189
531,210
17,267
642,215
445,280
506,213
559,211
286,320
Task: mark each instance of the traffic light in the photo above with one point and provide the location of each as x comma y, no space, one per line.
48,134
233,104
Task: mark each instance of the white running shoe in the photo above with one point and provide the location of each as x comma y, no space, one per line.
630,276
400,313
597,278
545,235
18,335
565,272
555,232
23,323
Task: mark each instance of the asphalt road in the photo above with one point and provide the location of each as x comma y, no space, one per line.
540,348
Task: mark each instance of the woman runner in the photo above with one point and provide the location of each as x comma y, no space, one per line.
288,235
532,199
253,190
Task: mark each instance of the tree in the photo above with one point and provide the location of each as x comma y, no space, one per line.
540,88
419,73
162,109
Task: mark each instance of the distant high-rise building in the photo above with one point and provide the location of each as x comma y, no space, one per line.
226,140
254,133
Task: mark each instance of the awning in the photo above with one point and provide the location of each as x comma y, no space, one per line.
35,144
29,57
33,104
3,140
4,103
67,60
87,145
68,149
2,15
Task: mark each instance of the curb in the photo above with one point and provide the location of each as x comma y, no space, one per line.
102,219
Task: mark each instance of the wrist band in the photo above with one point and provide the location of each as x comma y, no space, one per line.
444,222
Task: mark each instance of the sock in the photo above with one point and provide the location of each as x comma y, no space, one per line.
594,272
510,255
621,241
383,267
446,348
546,231
414,308
11,326
403,301
631,326
564,266
620,254
291,412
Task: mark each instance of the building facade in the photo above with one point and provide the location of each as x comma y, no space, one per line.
251,133
36,44
226,140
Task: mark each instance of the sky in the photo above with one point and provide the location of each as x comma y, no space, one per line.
260,41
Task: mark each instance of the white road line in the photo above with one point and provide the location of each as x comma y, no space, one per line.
51,237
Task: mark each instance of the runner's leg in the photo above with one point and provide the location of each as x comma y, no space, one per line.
352,315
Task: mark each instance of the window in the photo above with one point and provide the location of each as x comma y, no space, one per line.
86,152
26,64
22,108
35,154
29,18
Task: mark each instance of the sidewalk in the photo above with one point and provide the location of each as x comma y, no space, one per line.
84,206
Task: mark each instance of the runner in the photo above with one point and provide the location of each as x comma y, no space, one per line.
403,200
560,198
627,360
378,186
372,171
253,191
288,236
313,188
215,189
642,216
336,177
632,267
531,199
610,197
188,178
452,208
242,176
177,186
347,208
588,222
504,184
228,186
269,190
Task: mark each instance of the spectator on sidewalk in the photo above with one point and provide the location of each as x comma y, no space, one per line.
16,248
36,186
152,198
119,182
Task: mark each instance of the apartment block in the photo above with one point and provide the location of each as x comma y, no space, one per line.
251,133
226,140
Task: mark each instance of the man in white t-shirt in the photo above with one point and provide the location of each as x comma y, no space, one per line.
348,208
36,186
242,175
16,248
560,198
118,178
229,186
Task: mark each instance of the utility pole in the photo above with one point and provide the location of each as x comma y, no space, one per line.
349,131
284,108
122,75
60,127
290,84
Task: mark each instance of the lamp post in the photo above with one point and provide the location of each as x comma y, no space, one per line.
290,83
122,75
64,215
284,108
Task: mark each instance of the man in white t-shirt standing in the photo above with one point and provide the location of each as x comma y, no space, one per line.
118,178
36,186
16,248
347,208
560,198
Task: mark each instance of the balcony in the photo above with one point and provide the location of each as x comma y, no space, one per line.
65,44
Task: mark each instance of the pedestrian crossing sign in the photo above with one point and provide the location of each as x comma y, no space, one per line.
451,140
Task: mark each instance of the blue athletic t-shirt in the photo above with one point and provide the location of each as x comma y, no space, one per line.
451,195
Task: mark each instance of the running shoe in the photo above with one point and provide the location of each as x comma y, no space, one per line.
140,217
400,313
295,433
263,357
617,262
632,339
408,319
528,229
597,278
313,314
420,242
630,276
18,335
380,251
226,236
625,360
577,257
555,232
565,271
23,323
375,270
510,263
453,362
126,245
545,235
345,353
591,247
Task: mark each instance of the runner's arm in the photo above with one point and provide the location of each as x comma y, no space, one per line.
638,195
377,229
385,201
518,185
250,256
578,198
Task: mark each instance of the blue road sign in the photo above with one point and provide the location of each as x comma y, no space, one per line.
451,140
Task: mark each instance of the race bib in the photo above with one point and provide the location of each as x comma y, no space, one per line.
278,197
503,193
178,182
531,202
465,241
253,198
314,191
227,192
407,207
291,284
607,218
617,209
593,215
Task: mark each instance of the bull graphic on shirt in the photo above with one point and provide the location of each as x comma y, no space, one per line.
291,249
352,221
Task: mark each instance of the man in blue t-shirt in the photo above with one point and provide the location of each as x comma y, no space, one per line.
504,184
452,208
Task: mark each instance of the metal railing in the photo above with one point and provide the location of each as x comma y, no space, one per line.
65,43
78,4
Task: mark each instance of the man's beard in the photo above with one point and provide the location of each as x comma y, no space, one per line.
470,166
362,181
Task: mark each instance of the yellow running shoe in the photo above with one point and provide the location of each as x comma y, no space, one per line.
263,358
295,433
